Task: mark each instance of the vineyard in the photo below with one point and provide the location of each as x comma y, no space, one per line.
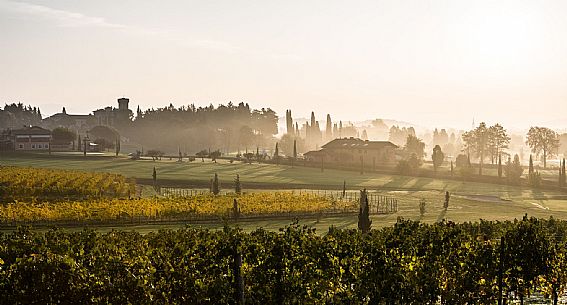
38,185
199,206
409,263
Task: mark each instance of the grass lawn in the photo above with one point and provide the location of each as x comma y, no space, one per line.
469,202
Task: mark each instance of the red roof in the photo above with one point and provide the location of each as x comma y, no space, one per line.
355,143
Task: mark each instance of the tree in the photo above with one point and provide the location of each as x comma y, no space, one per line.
63,135
414,145
447,198
237,185
513,170
79,142
498,140
452,168
214,155
215,186
289,122
534,177
155,154
437,156
543,141
277,154
154,177
476,141
117,146
364,135
364,222
329,128
104,134
499,165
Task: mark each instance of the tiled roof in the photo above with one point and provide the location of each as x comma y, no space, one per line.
358,144
34,130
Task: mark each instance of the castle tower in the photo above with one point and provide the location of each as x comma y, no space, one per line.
123,103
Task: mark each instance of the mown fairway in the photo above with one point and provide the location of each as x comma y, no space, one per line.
469,201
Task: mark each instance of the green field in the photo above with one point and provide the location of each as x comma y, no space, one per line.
469,202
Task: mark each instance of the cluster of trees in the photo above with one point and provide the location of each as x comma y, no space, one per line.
399,135
412,152
15,116
312,135
409,263
226,127
486,142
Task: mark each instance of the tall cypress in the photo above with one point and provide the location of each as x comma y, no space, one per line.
364,222
499,166
215,187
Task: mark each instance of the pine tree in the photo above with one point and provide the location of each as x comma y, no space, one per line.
215,186
237,185
364,222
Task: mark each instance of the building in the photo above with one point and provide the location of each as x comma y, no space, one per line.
354,151
32,138
77,122
110,116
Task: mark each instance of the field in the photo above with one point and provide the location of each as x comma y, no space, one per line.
469,201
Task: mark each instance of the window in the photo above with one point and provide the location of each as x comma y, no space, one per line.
39,146
21,146
33,146
46,146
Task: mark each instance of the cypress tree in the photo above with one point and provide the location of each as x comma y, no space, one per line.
499,166
452,168
215,187
237,185
295,149
531,177
364,222
277,154
564,174
154,177
79,143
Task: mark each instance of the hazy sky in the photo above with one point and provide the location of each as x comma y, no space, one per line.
435,63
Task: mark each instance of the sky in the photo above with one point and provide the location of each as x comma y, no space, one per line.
432,63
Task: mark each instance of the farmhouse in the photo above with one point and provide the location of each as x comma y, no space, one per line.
31,138
353,151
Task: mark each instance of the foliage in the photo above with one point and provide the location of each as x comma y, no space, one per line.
215,189
202,205
63,135
414,146
37,184
416,263
364,222
237,185
156,154
513,170
543,141
437,157
225,127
